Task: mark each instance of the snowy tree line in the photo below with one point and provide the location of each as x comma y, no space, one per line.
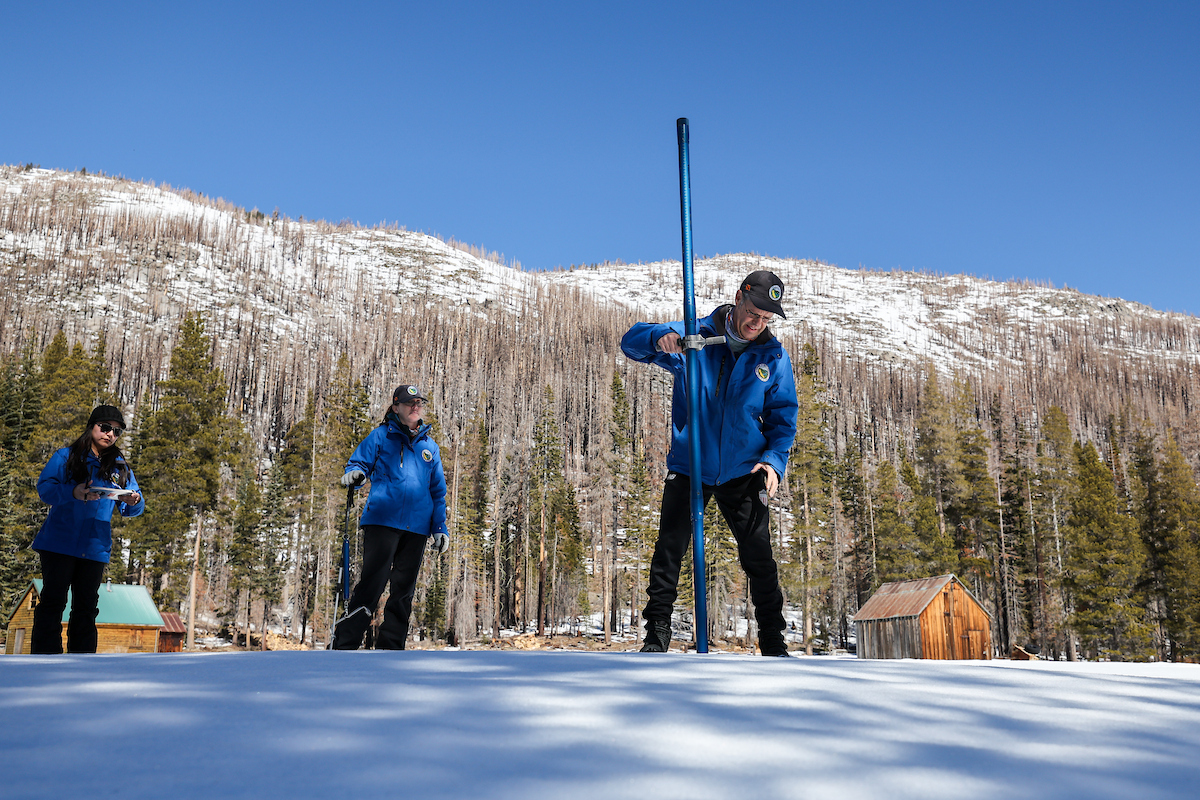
1077,547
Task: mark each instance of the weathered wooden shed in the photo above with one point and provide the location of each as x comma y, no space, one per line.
925,618
170,638
128,621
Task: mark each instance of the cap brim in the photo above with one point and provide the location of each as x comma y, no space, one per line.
764,303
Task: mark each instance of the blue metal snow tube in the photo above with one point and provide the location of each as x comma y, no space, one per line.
692,363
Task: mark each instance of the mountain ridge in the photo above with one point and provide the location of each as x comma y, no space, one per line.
896,316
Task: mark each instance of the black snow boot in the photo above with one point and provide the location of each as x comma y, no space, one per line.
658,636
773,646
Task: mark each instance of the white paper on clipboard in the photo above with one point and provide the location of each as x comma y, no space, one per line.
111,491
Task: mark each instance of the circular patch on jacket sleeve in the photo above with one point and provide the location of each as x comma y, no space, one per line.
428,456
762,372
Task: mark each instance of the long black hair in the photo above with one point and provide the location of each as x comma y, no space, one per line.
112,461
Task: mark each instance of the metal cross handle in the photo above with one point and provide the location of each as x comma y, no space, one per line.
698,342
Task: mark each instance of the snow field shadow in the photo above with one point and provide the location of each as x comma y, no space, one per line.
579,725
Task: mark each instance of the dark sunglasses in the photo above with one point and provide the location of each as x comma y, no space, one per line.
113,429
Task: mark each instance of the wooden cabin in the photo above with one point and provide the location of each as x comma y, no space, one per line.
926,618
128,621
170,638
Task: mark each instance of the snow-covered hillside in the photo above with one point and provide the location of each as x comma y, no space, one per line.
533,725
240,265
951,320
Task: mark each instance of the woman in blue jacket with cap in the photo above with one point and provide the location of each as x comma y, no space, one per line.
83,483
405,509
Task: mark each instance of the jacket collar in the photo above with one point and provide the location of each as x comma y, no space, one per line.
394,426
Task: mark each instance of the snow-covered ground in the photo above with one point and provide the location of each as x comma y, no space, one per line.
507,724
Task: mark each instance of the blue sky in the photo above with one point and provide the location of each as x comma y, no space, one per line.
1049,141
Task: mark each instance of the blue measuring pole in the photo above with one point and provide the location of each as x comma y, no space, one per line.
692,363
346,547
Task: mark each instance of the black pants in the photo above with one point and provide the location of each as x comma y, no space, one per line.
82,577
388,554
749,520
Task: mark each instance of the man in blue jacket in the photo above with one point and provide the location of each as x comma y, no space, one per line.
405,510
747,423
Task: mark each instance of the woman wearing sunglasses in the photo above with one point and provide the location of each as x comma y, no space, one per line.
83,483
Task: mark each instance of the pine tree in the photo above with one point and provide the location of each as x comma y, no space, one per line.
858,513
937,451
1179,512
985,558
512,526
935,549
641,527
809,493
545,478
313,459
21,512
1105,560
68,383
898,552
433,611
184,438
299,453
270,555
315,575
1056,484
468,552
617,472
1169,529
348,419
22,391
568,580
242,551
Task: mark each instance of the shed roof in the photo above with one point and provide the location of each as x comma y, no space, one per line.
906,598
172,623
120,604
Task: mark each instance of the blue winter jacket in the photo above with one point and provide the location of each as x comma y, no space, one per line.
75,527
408,487
747,405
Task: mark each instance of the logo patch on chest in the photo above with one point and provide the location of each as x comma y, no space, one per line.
763,372
428,456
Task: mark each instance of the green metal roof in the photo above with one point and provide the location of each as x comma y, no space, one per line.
120,604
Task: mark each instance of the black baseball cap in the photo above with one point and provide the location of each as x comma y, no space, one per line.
764,290
404,393
106,414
